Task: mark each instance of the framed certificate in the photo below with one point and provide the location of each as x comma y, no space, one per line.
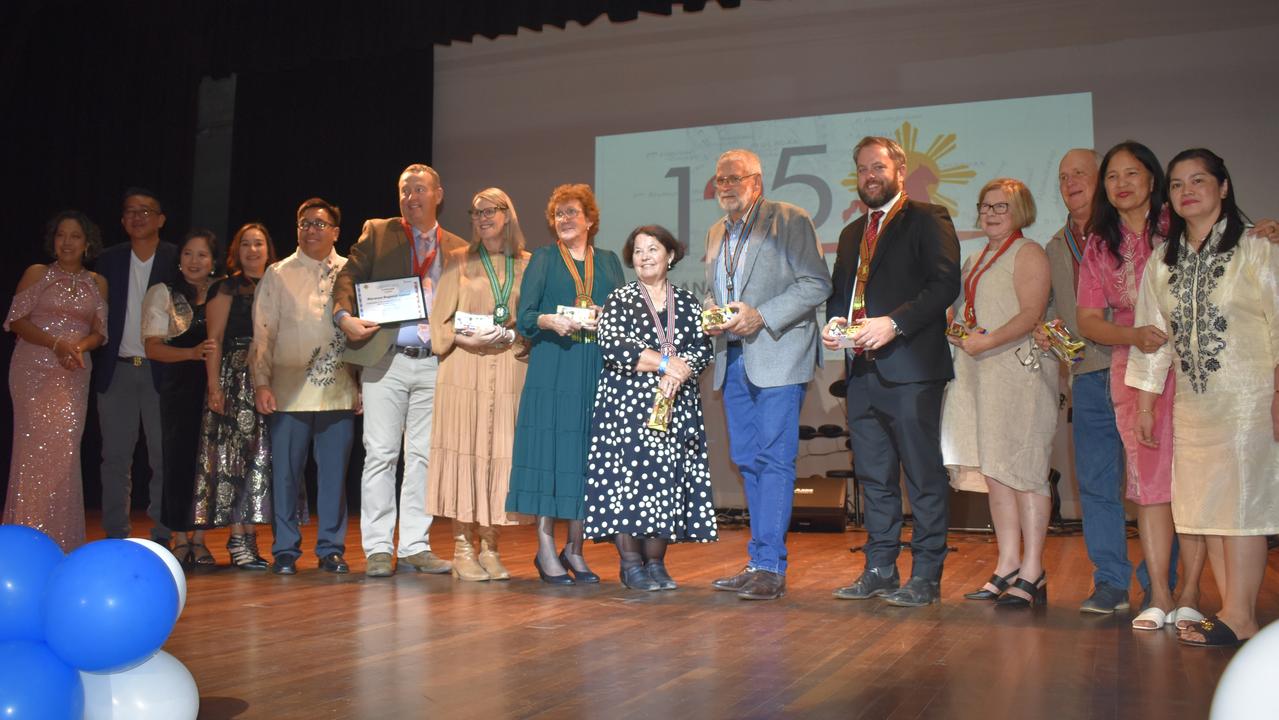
390,301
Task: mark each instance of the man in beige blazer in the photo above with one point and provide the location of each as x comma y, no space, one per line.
398,377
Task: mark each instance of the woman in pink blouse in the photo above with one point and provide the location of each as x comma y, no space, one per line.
1125,226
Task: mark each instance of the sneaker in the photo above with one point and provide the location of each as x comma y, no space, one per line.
1105,600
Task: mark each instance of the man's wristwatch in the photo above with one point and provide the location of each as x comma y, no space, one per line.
896,328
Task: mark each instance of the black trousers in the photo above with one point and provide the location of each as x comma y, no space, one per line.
891,423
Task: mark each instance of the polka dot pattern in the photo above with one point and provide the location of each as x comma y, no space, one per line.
639,481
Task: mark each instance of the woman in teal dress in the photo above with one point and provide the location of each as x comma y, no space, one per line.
553,428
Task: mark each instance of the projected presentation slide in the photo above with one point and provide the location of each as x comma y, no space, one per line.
666,176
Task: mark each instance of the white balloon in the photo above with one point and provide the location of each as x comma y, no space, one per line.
175,568
159,689
1247,688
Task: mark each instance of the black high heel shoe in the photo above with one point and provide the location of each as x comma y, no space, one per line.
586,577
1038,592
1000,583
551,579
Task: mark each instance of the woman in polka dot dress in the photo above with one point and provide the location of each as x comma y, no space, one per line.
647,487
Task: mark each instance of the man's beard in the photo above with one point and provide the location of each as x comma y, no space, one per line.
889,190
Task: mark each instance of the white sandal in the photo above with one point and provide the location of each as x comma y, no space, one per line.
1150,615
1187,615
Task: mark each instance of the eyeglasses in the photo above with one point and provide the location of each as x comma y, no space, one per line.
569,214
140,212
1030,360
486,213
314,225
999,208
731,180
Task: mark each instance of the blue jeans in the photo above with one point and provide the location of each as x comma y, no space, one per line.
1099,468
331,433
763,441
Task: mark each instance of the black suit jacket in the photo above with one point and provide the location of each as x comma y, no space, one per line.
113,264
914,278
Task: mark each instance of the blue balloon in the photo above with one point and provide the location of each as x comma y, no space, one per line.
34,683
27,559
109,605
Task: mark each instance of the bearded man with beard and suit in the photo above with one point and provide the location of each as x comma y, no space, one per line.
896,273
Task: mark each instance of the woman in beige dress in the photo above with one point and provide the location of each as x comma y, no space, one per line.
1000,413
1213,287
477,391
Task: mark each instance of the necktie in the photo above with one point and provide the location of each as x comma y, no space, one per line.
872,233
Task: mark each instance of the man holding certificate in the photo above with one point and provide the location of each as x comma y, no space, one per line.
382,302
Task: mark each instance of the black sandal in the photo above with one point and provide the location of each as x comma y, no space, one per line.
182,551
1038,592
201,556
1215,633
1001,583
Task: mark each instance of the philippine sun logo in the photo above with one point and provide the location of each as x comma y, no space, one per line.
924,172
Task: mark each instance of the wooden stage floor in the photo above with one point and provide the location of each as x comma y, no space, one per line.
415,646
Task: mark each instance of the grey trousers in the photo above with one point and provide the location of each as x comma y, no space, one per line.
131,398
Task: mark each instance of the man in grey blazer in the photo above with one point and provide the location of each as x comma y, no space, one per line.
765,263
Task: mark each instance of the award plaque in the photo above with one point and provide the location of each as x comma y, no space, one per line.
390,301
471,324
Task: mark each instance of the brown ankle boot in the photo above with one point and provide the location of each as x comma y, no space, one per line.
488,558
465,566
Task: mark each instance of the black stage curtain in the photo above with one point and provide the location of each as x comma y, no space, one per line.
94,103
342,131
332,100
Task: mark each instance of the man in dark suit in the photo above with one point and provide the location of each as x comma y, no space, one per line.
125,381
896,273
398,377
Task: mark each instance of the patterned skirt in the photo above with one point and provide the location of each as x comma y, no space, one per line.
233,475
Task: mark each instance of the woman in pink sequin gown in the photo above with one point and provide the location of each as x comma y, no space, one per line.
1126,224
59,314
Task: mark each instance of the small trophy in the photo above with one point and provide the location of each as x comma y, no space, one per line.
1065,346
717,316
845,334
659,417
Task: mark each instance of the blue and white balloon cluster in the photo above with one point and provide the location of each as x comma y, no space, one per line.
80,634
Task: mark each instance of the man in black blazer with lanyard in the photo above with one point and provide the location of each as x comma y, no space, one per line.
896,273
126,382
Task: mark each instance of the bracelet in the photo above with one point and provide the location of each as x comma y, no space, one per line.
661,366
1147,412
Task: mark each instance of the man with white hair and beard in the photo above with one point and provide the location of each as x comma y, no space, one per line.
764,262
896,273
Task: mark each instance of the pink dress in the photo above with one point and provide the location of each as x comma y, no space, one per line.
1107,285
49,404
